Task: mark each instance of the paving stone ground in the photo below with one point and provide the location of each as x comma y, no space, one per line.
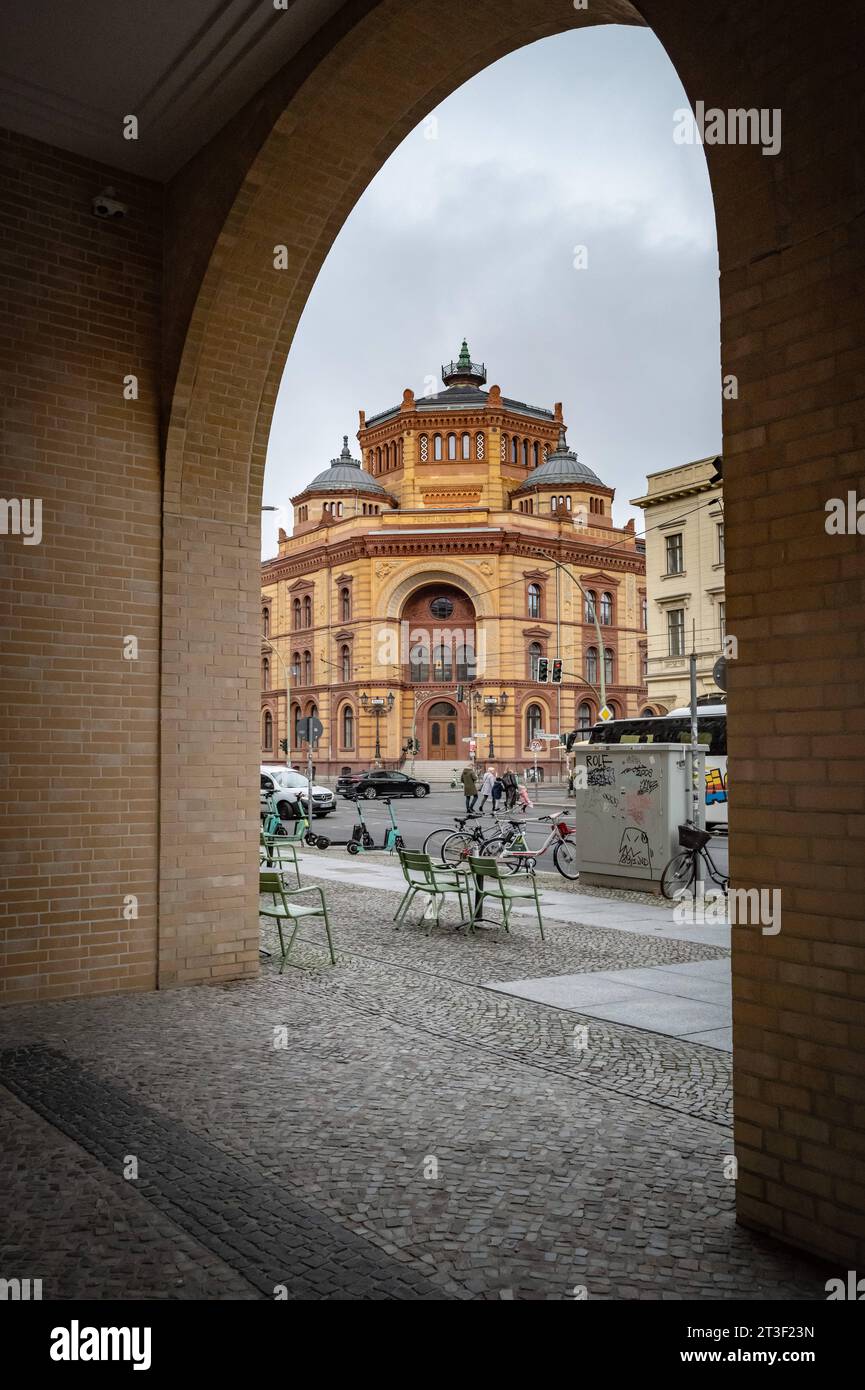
404,1131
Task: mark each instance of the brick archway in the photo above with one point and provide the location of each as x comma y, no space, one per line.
793,335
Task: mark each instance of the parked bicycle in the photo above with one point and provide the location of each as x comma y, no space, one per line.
681,872
513,852
451,846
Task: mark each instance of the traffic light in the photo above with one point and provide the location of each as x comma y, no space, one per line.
557,672
283,745
543,672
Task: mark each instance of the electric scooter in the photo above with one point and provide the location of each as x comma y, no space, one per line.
362,840
273,824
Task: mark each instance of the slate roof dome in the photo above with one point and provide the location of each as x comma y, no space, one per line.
345,474
561,468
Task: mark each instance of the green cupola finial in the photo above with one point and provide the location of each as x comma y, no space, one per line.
465,357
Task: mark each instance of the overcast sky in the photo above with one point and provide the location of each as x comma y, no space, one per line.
566,143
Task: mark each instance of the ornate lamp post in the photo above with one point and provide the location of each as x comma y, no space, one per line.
492,705
377,705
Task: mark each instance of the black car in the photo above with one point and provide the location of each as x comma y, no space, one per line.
379,783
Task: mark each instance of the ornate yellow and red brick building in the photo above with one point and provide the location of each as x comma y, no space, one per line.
467,543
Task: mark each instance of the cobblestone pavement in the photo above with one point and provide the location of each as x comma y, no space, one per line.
392,1101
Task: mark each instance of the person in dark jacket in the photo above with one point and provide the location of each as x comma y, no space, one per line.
470,787
497,793
509,781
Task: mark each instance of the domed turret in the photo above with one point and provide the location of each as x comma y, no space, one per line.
561,468
345,474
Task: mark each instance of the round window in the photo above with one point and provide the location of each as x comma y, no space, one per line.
441,607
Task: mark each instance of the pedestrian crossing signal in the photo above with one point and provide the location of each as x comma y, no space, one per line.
557,672
542,674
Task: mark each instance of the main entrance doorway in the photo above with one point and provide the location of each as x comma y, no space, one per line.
441,739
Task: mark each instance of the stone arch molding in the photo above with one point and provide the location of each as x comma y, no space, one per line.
399,589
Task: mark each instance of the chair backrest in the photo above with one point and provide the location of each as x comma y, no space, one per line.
416,867
490,868
269,882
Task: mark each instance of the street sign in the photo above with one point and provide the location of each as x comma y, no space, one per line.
550,738
536,745
310,730
719,673
605,713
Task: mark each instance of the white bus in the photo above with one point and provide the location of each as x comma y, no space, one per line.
675,727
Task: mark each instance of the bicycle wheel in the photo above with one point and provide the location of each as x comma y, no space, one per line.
456,848
678,874
432,845
565,857
497,848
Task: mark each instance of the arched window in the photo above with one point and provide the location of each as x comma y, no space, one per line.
567,504
265,673
452,446
345,604
347,727
590,600
535,652
592,664
534,600
339,509
307,668
584,717
647,713
437,446
307,611
644,612
265,622
534,722
525,453
295,725
424,448
554,504
267,730
515,450
312,713
479,445
378,460
535,452
345,661
609,664
606,609
467,446
295,613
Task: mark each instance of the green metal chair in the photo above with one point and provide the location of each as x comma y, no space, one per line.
435,880
505,888
270,881
280,852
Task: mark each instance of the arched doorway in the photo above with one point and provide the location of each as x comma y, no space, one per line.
776,229
442,738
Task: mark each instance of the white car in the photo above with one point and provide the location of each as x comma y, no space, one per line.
288,787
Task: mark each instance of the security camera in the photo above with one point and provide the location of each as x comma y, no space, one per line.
107,204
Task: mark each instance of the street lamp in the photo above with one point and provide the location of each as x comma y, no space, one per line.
492,704
377,705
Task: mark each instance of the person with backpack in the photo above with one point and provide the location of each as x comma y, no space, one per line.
469,780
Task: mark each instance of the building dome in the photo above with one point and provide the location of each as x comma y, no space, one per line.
561,468
345,474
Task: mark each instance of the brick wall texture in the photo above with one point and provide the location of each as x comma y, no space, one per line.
108,760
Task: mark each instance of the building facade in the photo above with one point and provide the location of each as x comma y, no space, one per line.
466,543
684,534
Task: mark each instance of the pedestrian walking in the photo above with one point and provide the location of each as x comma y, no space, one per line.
526,803
511,785
487,787
498,792
469,780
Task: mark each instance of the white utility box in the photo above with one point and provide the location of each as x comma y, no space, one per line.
630,800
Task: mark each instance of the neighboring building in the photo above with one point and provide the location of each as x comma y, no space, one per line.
430,565
684,535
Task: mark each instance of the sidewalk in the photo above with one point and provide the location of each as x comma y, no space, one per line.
690,1000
